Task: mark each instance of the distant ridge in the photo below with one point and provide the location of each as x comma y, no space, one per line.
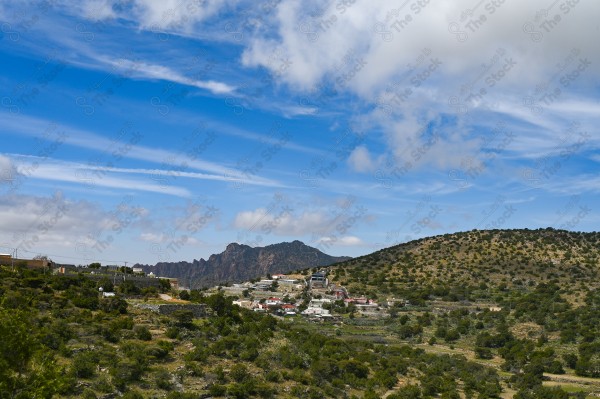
241,263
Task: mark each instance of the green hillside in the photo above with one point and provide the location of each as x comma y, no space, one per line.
60,339
481,314
473,264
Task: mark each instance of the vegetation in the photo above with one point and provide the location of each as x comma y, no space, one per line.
466,331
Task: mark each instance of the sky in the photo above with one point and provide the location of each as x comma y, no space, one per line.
146,130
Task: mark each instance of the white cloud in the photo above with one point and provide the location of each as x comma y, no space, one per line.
343,46
156,180
48,169
7,171
176,14
46,222
280,221
345,241
85,139
154,71
97,9
315,218
317,47
161,238
360,160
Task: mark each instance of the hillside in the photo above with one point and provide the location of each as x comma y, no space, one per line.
242,262
64,341
477,260
483,329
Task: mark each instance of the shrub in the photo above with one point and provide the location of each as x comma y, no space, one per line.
163,380
217,390
142,333
239,372
172,332
84,364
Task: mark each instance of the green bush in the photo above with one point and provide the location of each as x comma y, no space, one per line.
142,333
84,364
172,332
163,380
239,372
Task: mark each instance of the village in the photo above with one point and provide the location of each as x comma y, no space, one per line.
313,297
310,295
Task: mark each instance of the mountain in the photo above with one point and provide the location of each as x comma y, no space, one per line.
241,263
475,260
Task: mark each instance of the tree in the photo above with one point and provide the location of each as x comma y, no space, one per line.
142,333
239,372
26,371
165,284
483,353
113,304
128,287
185,295
84,364
183,318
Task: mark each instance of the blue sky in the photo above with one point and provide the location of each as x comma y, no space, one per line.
146,131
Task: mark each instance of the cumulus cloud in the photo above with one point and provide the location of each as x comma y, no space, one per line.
295,219
38,222
318,38
411,62
280,221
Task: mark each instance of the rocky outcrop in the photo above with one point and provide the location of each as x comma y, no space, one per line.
241,263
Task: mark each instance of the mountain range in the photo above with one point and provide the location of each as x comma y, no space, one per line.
241,263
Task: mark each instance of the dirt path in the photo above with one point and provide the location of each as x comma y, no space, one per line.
169,298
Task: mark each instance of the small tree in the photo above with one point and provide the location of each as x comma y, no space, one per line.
185,295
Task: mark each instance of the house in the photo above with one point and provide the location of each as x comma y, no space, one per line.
312,311
319,280
340,293
278,276
42,263
264,285
288,309
243,303
138,270
65,268
108,294
260,307
273,301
